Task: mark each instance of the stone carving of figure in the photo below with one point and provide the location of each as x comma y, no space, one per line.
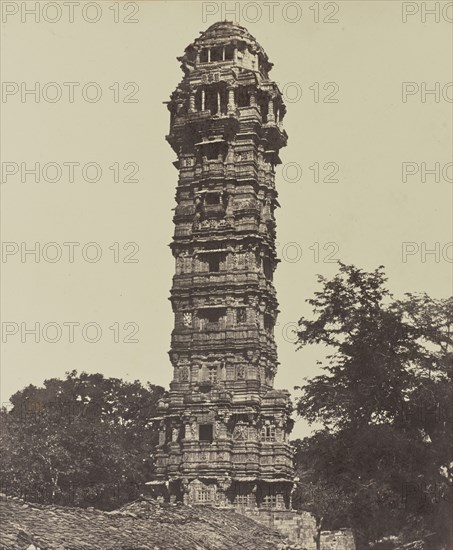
193,430
240,433
218,427
252,435
196,220
230,154
224,484
235,260
174,434
240,372
185,485
179,264
253,301
198,203
255,357
198,216
184,374
279,421
187,319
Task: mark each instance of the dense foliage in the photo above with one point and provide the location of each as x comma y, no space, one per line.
381,461
82,441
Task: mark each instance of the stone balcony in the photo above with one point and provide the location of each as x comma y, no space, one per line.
210,340
246,170
231,278
275,134
252,457
210,169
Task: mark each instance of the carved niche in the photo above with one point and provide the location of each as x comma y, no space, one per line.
187,319
240,432
184,374
241,372
175,434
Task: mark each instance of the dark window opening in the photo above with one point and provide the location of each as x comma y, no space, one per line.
212,100
242,99
213,319
213,262
229,52
206,432
268,323
212,198
241,314
217,53
267,268
264,107
198,105
212,151
204,56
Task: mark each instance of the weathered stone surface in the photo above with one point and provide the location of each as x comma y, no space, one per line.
224,434
342,539
298,526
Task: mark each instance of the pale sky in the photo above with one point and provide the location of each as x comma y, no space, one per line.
362,61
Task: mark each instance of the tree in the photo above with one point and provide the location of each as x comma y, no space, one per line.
85,440
383,404
325,499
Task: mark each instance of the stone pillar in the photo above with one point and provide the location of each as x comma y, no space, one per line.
188,432
231,104
219,103
223,53
252,98
203,98
270,112
192,102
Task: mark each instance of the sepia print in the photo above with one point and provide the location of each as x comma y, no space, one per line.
285,169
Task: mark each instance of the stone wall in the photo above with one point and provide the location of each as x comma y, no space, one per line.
337,540
300,529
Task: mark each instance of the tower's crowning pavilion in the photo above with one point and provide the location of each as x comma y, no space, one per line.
224,429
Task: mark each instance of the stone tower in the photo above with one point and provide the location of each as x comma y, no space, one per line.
223,428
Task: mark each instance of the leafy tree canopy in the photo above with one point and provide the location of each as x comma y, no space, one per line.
86,440
384,403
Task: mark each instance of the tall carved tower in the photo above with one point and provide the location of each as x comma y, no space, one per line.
223,428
